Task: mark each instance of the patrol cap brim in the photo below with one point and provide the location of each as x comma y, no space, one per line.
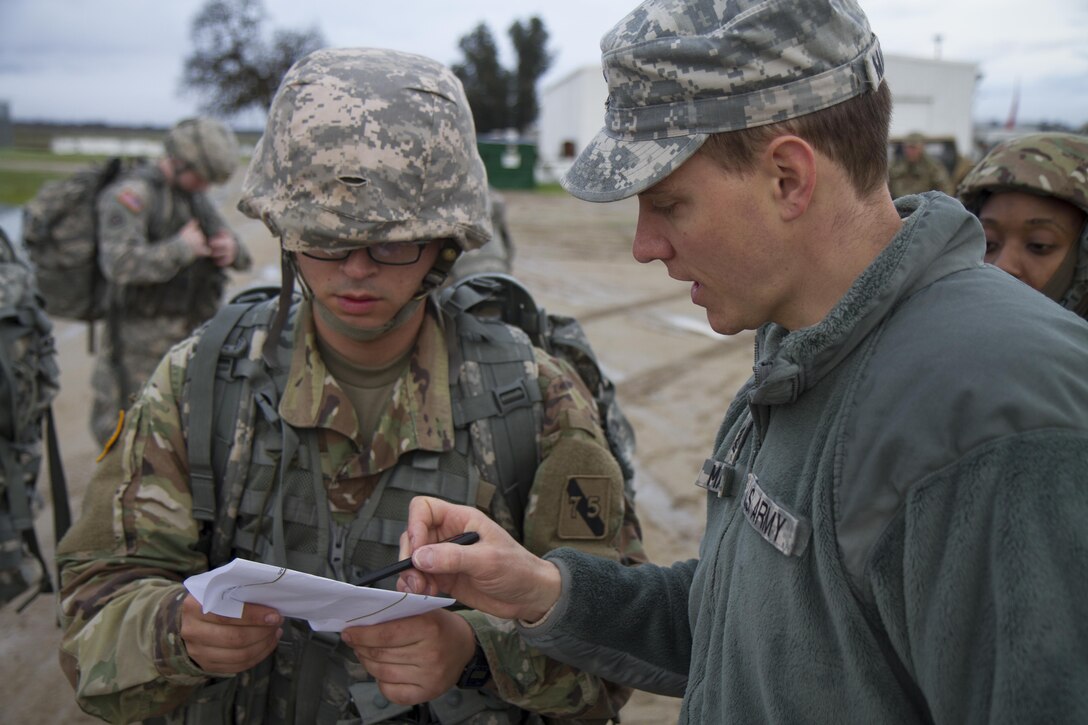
610,169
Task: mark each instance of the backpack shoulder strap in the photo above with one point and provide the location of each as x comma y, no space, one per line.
504,297
219,382
496,399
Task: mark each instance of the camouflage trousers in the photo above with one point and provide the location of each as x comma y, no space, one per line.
125,361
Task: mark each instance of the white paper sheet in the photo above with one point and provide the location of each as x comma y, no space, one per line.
329,606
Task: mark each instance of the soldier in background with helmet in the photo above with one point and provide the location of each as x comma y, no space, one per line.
164,249
497,255
369,177
916,171
1031,194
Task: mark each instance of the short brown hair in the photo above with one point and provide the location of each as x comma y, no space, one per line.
853,133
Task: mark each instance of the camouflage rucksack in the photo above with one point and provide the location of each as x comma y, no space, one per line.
223,386
60,231
29,380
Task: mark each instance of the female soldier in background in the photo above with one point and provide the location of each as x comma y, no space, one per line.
1031,195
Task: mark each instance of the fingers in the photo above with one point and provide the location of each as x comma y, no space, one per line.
223,249
414,659
194,238
226,645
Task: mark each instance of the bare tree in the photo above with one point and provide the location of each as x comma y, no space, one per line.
232,66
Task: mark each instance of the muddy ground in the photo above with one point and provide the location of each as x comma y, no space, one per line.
674,379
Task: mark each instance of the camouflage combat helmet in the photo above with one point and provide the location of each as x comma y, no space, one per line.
362,146
1048,164
208,146
367,145
679,70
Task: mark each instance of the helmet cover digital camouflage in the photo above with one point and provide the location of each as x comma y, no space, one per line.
206,145
679,70
366,145
1048,164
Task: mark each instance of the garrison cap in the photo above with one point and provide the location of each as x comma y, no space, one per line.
679,70
366,145
208,146
1049,164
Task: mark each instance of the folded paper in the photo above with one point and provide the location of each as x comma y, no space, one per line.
328,605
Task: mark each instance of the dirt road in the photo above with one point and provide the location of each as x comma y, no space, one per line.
674,379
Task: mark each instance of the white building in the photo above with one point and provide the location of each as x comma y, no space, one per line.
934,97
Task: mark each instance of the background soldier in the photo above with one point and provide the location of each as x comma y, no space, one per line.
164,249
367,394
916,171
1031,194
497,255
29,380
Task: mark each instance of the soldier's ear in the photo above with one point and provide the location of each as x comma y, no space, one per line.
791,163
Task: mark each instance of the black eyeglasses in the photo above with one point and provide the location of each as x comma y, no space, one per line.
395,254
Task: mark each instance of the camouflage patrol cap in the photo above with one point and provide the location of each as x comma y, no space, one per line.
678,70
1050,164
368,145
915,138
209,147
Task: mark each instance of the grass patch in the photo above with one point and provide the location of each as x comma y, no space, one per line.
44,158
24,170
18,187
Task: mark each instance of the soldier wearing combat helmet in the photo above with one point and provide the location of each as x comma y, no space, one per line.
165,250
205,146
360,393
1031,194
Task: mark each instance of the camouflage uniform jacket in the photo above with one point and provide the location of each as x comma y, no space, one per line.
137,540
926,174
152,271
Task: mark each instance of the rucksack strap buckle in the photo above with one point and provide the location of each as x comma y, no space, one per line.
512,397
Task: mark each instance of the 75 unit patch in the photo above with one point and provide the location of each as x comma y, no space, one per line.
582,515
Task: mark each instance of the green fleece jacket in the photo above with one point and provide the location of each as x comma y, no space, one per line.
896,514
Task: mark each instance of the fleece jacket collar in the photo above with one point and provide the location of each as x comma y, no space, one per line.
938,237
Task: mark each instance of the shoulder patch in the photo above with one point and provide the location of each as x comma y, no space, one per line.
131,200
587,503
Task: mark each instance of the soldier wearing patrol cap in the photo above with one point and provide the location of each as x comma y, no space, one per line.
363,392
896,498
1031,194
164,249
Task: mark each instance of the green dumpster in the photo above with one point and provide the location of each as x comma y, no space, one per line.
509,165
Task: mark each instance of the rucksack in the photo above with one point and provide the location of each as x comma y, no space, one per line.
226,386
29,380
60,231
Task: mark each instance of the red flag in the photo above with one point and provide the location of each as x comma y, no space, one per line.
1010,122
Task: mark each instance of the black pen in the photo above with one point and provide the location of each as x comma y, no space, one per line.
469,537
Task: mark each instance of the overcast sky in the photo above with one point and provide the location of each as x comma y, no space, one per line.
120,61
